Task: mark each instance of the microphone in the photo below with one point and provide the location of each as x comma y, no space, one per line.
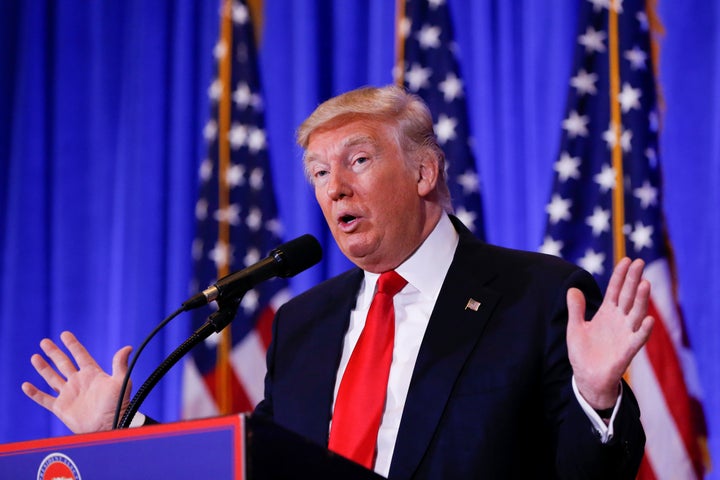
286,260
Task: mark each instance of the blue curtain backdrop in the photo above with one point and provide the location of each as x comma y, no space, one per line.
102,106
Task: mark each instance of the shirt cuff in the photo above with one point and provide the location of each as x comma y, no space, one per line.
139,420
605,431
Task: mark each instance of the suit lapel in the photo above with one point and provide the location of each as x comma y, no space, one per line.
457,322
310,414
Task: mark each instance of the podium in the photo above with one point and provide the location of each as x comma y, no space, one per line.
237,447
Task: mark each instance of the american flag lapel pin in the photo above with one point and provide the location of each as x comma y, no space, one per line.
472,305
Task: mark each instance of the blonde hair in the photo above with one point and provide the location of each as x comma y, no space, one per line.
391,104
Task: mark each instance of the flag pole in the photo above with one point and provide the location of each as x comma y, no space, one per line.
618,202
399,73
224,394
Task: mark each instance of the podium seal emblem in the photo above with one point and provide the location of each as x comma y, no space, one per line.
58,466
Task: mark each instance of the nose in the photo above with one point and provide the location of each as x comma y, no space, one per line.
338,186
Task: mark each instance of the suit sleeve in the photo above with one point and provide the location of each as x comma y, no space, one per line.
580,452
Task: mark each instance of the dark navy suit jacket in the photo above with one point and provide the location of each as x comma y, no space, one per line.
490,396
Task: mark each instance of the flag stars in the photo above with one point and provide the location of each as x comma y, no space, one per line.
220,50
201,209
250,301
445,129
206,169
551,246
599,4
244,97
593,262
210,131
653,121
469,182
592,40
637,58
417,77
429,37
240,14
647,194
567,167
629,98
404,27
229,214
642,19
254,219
467,217
197,250
641,236
257,177
611,137
606,178
275,227
451,87
558,209
251,257
235,175
237,136
256,140
215,90
584,82
576,125
221,254
599,221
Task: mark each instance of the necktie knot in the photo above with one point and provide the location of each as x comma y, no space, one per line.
390,283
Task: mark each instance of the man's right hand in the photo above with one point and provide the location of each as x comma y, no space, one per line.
86,395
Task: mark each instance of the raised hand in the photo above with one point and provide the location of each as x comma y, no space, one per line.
86,395
601,350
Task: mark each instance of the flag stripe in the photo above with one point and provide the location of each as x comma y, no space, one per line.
664,449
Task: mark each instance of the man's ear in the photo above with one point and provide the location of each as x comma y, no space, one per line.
427,174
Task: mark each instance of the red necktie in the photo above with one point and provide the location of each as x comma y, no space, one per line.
361,397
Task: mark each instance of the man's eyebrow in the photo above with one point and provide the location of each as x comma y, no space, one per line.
358,140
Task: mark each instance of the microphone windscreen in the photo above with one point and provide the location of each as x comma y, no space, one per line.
298,255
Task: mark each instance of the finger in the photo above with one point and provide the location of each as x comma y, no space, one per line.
630,285
640,305
61,361
616,281
51,377
78,351
37,395
642,335
576,308
120,362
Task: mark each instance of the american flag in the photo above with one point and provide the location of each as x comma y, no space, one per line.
427,66
237,225
606,203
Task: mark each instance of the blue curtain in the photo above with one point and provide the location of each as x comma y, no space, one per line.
102,106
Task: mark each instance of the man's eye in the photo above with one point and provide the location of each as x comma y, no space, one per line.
320,173
361,160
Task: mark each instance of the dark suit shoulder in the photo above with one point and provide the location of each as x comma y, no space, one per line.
327,293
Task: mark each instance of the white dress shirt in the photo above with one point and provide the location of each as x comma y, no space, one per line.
425,272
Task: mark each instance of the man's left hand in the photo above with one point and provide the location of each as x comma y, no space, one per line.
601,350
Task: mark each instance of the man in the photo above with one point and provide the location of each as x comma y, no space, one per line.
494,374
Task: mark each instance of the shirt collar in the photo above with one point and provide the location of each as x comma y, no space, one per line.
425,269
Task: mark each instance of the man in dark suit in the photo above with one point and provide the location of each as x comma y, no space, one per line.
494,372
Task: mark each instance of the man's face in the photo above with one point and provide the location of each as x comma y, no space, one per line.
369,193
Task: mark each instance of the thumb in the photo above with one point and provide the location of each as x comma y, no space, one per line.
576,308
120,361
